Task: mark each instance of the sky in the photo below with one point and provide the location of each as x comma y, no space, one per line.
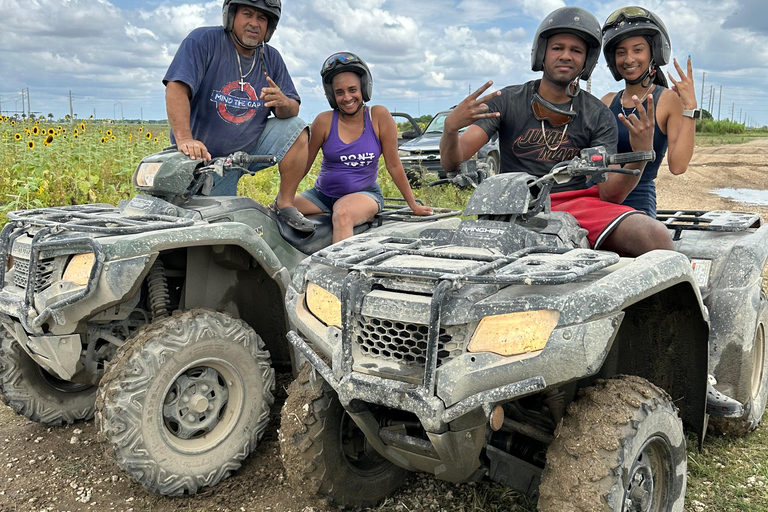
425,55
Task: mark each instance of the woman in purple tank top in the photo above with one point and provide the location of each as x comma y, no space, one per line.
353,137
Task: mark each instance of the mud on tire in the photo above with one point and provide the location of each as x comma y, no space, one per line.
325,453
185,400
620,447
754,406
33,392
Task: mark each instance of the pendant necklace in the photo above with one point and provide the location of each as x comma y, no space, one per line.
562,136
242,81
634,109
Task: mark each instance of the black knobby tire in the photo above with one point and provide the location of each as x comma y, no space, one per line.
620,447
325,453
33,392
186,400
757,394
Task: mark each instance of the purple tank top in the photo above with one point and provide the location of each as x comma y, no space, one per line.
349,168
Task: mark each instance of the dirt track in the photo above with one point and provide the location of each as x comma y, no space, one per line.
64,469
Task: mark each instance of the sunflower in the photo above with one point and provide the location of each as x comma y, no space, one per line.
155,139
51,131
113,137
17,136
82,126
13,123
76,136
35,130
76,132
130,137
109,133
60,128
149,135
48,139
141,128
103,140
31,144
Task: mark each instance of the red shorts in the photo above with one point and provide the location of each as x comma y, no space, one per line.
598,217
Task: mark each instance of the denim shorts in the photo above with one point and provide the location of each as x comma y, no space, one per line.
325,203
276,139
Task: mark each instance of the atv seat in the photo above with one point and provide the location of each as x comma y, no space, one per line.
320,238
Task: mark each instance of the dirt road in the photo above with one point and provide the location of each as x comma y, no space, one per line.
64,469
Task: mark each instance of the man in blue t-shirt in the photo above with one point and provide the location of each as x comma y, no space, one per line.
222,86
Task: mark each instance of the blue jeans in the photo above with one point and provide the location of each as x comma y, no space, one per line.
325,203
276,139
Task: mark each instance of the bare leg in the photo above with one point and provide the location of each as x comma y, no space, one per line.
350,211
305,206
638,234
292,168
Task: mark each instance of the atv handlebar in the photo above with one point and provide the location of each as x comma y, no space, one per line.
241,158
628,158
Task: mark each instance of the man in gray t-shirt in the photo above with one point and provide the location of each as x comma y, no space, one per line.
546,121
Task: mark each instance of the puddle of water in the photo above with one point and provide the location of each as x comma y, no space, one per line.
744,195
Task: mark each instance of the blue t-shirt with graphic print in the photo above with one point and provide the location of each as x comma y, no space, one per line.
225,116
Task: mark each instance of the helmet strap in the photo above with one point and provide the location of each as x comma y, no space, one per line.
646,78
361,105
573,86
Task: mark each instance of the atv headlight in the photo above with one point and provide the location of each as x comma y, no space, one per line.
79,269
324,305
514,333
402,152
145,174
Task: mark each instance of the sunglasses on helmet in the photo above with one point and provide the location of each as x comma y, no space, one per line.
339,58
543,110
626,13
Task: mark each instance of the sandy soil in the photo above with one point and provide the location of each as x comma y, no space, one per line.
65,469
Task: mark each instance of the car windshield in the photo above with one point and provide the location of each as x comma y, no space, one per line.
437,124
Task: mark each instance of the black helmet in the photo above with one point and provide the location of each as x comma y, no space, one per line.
345,62
635,21
271,8
571,20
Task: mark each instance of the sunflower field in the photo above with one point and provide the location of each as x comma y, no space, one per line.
52,164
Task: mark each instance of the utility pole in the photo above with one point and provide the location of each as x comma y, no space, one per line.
29,109
711,97
703,76
71,115
719,102
733,105
23,112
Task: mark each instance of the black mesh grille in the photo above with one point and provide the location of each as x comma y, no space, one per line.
43,274
403,342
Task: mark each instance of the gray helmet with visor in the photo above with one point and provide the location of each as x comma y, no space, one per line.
272,8
345,62
635,21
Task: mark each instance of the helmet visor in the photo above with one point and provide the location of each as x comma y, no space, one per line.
625,13
340,58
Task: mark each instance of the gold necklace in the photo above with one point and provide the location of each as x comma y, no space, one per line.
634,109
242,81
544,136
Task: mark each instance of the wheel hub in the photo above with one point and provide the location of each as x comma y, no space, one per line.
195,402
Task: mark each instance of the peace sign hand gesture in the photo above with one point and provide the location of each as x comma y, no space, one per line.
471,109
684,86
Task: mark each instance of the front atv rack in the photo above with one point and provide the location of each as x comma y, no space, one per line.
704,220
530,266
67,229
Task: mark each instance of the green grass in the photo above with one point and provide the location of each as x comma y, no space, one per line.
715,139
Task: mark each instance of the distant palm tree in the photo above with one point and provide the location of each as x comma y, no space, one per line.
50,117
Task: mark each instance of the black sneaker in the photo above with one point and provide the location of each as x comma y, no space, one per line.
719,404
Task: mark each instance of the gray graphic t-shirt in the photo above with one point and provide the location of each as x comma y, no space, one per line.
521,139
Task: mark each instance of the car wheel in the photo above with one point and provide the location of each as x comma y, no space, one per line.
620,447
493,164
185,400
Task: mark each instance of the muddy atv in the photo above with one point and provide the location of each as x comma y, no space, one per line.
164,316
509,350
